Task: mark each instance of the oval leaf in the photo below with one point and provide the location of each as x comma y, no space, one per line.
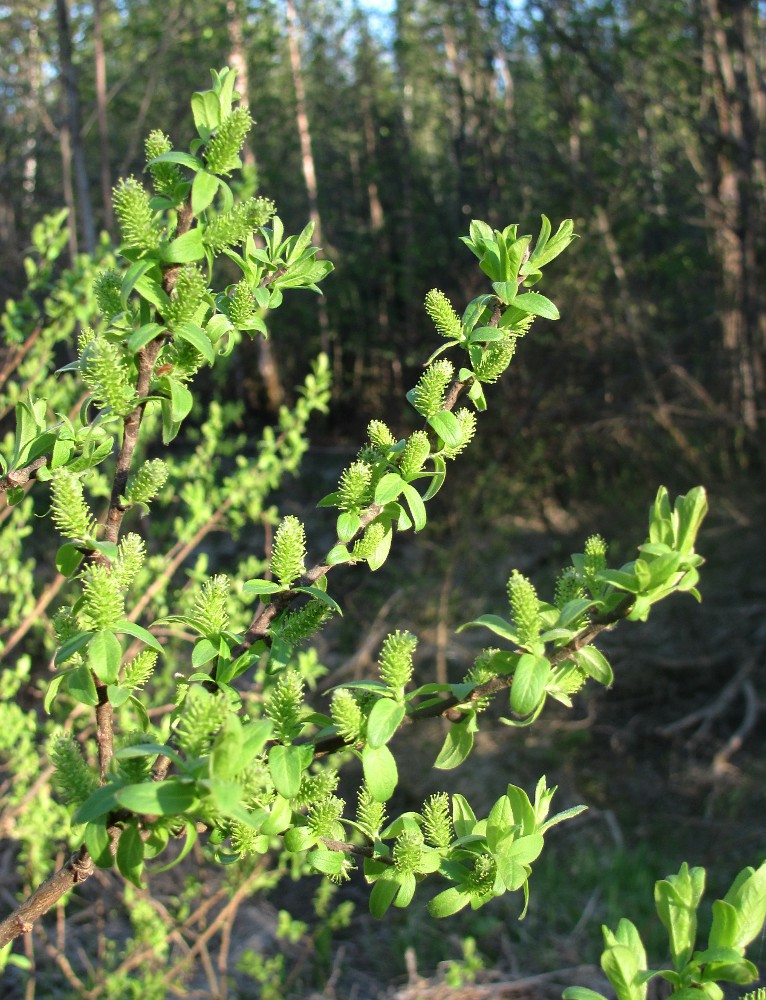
162,798
383,721
380,772
529,680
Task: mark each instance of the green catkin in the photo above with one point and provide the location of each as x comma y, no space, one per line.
289,551
467,423
64,624
232,228
316,787
84,337
347,715
570,678
103,603
595,562
70,512
297,626
444,317
165,176
366,546
210,607
72,777
416,451
395,660
189,293
569,587
407,852
428,394
106,288
355,486
324,818
437,825
370,815
106,373
222,152
285,705
524,607
242,304
494,360
481,672
130,559
201,717
380,436
147,482
138,672
135,216
133,769
482,878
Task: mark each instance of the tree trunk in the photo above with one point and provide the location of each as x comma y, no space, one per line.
103,130
732,104
72,118
266,361
307,155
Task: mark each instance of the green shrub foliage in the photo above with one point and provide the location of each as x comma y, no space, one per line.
243,760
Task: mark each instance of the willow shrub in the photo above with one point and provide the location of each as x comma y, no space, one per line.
181,714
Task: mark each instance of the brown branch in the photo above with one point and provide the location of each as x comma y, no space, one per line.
452,708
20,477
77,869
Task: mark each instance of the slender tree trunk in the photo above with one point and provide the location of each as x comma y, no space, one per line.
68,190
733,106
266,360
307,155
103,130
72,117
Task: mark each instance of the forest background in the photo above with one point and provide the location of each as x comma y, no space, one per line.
392,129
